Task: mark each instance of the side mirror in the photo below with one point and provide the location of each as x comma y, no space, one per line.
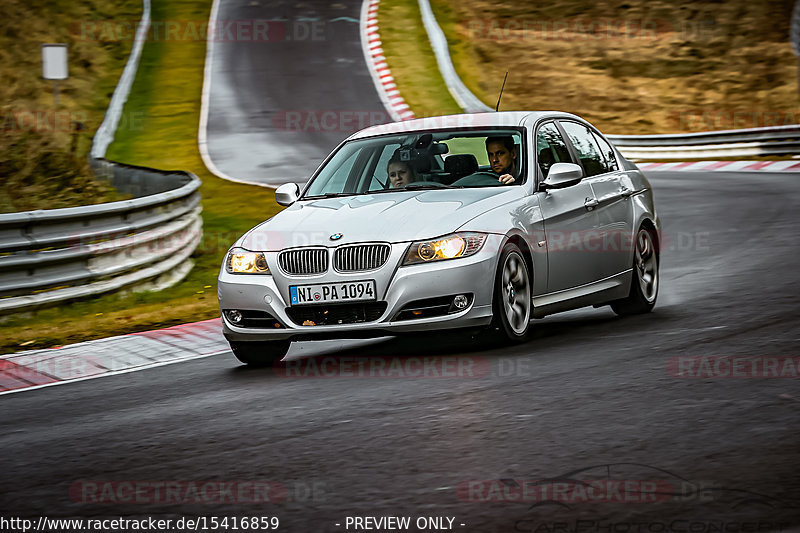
562,175
287,194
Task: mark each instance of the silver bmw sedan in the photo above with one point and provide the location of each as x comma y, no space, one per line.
481,221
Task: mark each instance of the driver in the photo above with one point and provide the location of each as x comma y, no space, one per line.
502,155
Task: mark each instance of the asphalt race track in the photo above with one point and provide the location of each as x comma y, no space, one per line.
589,397
282,99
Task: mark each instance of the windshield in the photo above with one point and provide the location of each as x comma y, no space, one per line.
423,160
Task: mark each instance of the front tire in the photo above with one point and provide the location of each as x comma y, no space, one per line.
645,280
257,354
512,296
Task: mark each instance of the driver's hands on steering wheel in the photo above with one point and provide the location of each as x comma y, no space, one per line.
505,179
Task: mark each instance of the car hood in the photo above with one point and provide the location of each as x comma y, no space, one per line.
393,217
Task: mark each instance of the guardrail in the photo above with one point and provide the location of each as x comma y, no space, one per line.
55,255
775,140
105,133
463,96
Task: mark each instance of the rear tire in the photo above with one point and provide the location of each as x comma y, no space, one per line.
645,281
511,304
260,353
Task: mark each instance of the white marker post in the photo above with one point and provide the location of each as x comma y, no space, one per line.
54,66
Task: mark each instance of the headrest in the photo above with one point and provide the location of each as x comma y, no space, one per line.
421,164
461,164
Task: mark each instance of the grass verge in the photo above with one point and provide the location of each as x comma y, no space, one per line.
166,95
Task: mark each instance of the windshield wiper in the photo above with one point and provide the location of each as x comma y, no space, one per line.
328,195
410,187
424,187
378,191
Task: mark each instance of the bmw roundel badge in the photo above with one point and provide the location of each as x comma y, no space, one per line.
336,236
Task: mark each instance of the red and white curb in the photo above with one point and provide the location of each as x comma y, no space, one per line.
376,63
110,356
723,166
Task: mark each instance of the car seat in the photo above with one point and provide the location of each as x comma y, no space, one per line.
546,160
459,165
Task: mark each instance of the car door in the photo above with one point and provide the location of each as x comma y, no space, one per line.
610,241
614,209
568,216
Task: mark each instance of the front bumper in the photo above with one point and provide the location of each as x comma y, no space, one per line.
396,285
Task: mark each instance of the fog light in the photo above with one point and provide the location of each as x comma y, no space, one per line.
460,301
234,316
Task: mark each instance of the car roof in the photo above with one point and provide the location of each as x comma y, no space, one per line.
465,120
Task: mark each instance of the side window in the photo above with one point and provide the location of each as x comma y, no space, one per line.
550,148
608,153
588,151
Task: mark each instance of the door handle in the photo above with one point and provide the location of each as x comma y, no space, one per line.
624,191
590,203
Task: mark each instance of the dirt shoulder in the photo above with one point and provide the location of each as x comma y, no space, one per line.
631,66
44,149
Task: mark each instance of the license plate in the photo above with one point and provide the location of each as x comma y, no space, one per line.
351,291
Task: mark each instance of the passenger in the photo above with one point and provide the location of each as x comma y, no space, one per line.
503,158
401,173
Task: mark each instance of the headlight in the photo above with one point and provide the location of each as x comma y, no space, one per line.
450,247
240,261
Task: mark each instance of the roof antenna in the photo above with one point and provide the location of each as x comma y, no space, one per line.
497,107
